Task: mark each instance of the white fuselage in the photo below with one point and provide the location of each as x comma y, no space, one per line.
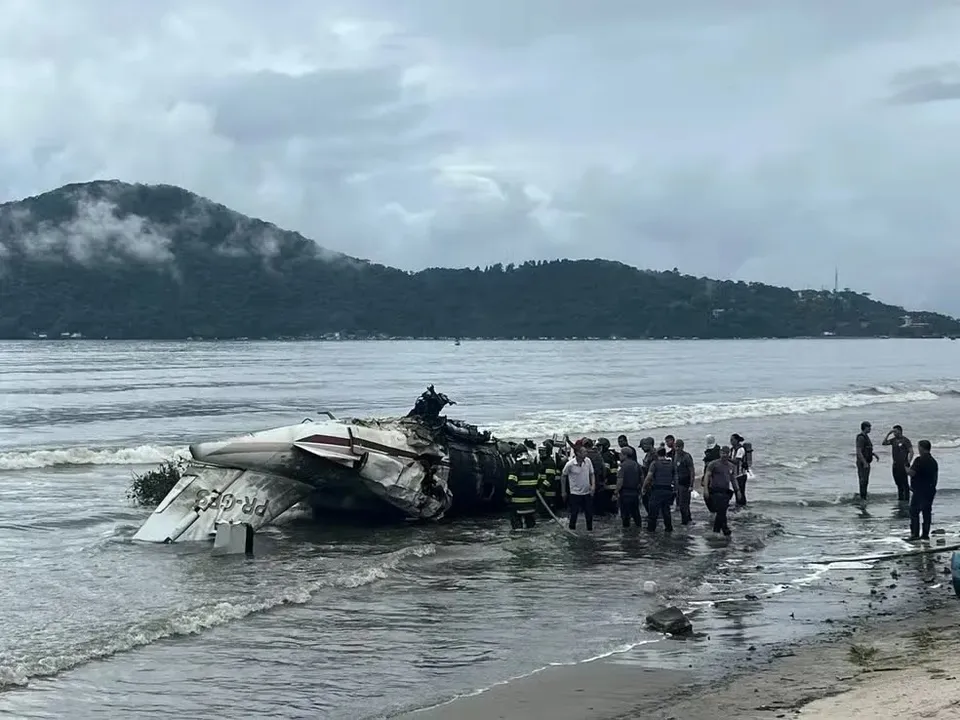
256,476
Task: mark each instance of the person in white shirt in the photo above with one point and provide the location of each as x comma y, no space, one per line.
738,456
578,474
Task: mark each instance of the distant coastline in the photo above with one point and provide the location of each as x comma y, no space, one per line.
113,260
73,337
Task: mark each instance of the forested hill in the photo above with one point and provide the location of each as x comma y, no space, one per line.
109,259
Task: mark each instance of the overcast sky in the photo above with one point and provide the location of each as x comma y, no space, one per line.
762,140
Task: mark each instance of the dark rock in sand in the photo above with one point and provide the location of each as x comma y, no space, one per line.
670,620
939,531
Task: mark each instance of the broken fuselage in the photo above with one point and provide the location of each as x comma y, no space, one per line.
421,467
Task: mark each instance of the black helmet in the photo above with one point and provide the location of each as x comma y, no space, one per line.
603,442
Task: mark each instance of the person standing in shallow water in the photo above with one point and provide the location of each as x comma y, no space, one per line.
719,486
923,475
865,456
686,471
738,455
711,452
578,474
661,486
628,487
901,455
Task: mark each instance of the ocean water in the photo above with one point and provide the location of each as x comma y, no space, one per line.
338,622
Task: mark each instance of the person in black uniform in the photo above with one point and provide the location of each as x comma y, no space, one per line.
522,485
923,477
607,490
901,455
865,456
661,487
711,452
629,481
719,486
646,460
549,479
686,470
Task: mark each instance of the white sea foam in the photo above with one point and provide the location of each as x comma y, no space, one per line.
139,455
633,419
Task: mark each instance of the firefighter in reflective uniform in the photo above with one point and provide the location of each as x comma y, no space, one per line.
607,487
549,479
522,484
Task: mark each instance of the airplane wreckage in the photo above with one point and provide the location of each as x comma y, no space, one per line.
423,466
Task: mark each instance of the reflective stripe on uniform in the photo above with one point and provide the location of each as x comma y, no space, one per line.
522,491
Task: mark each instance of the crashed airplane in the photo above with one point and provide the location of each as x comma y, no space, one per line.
423,466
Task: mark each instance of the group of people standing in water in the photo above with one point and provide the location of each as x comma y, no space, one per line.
589,477
918,474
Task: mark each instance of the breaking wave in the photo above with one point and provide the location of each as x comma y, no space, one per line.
949,388
18,671
633,419
542,424
140,455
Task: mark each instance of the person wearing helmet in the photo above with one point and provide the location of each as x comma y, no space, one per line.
607,491
549,479
711,451
522,484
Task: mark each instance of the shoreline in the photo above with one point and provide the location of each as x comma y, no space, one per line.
880,665
545,339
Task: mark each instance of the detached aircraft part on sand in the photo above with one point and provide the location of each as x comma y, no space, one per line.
422,466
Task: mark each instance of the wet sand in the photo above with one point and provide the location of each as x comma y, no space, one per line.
899,662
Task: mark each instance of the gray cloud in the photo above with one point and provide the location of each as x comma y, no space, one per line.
747,139
931,83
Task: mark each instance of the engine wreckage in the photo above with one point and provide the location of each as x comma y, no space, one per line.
423,466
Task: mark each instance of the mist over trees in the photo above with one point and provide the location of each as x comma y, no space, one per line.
110,259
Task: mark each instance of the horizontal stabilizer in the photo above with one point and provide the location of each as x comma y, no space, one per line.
207,495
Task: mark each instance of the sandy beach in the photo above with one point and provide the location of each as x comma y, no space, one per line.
898,663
